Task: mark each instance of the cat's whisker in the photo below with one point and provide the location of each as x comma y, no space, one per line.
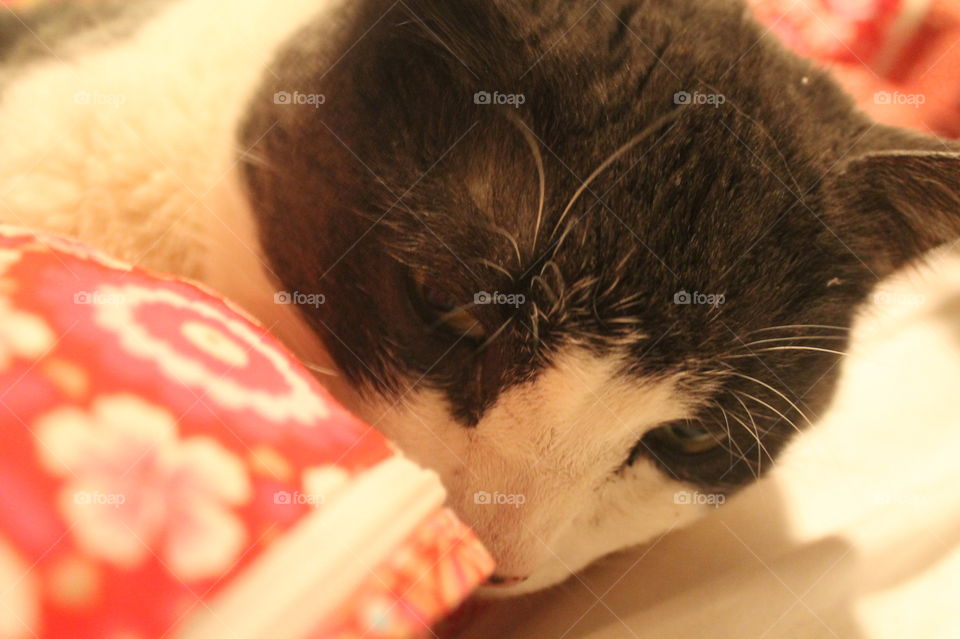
535,326
801,348
742,455
495,266
490,340
628,301
538,279
845,329
756,352
761,449
329,372
778,392
618,270
534,145
772,409
616,155
510,238
773,340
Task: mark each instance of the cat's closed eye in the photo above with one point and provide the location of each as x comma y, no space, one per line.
442,311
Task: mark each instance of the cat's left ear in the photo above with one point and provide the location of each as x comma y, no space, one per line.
900,204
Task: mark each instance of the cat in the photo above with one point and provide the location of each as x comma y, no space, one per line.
595,263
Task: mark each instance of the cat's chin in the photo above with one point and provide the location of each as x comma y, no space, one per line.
528,587
547,576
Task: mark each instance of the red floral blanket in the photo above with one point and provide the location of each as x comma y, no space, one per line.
167,469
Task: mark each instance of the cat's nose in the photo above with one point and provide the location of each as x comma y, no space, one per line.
503,581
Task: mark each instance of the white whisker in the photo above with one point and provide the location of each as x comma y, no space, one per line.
772,409
616,155
798,326
771,388
534,145
761,449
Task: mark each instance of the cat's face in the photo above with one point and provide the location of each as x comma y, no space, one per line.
595,264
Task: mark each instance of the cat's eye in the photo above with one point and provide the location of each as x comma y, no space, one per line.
686,437
442,310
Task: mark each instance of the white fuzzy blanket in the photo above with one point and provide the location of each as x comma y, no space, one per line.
855,535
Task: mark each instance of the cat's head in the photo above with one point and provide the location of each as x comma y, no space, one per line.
595,263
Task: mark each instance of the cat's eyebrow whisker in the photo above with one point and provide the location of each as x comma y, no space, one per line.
778,392
534,145
628,301
495,266
618,270
535,325
616,155
510,238
490,340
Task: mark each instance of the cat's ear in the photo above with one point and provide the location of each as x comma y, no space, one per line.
900,204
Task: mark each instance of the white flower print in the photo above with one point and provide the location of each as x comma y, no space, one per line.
220,336
135,488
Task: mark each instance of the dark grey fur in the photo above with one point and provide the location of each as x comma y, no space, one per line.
785,199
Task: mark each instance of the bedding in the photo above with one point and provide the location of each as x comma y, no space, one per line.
168,470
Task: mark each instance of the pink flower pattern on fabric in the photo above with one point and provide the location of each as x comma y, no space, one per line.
134,487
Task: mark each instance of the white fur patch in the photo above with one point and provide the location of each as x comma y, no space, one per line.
537,478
